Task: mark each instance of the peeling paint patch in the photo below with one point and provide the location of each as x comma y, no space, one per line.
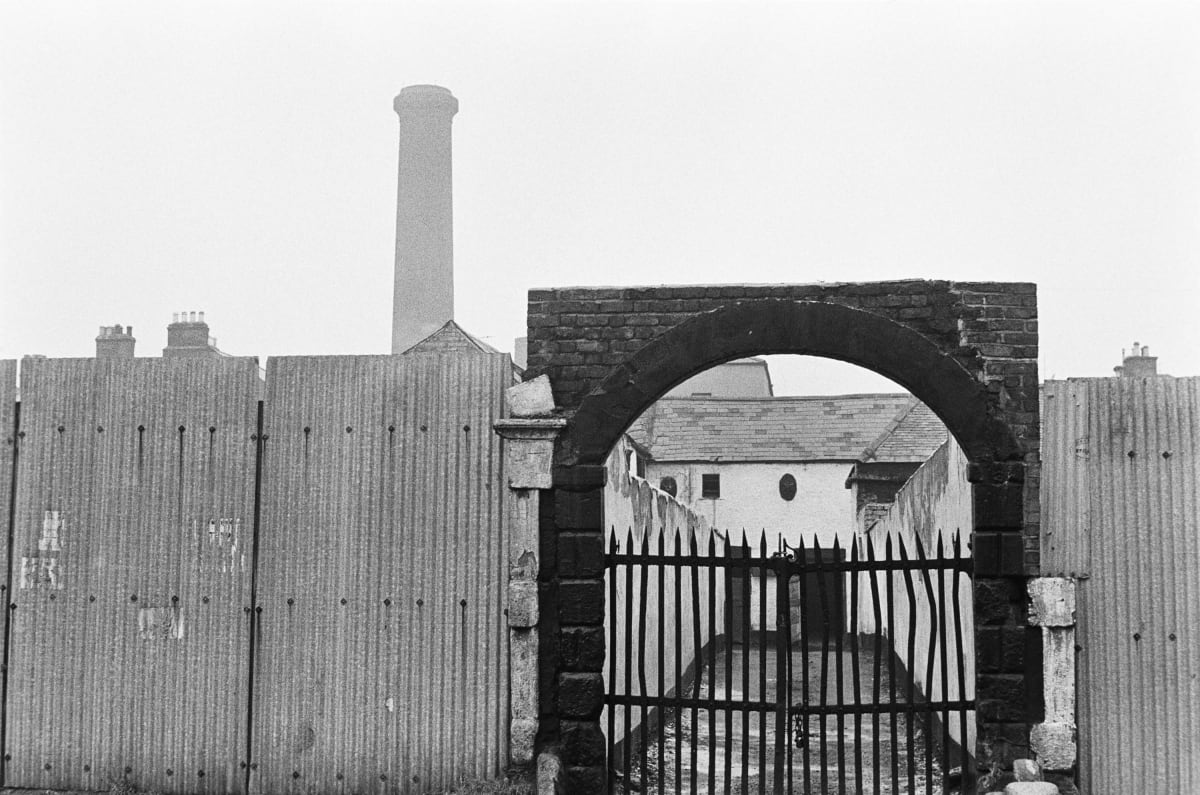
41,571
52,525
160,623
225,534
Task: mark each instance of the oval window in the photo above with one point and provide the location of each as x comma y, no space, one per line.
787,487
668,485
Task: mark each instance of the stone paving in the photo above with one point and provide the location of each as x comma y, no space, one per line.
706,746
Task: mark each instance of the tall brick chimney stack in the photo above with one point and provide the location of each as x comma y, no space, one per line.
424,291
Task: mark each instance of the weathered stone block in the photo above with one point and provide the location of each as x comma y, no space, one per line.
522,604
582,554
1058,674
1052,602
582,648
551,778
994,601
524,674
1054,745
529,450
580,695
1027,770
1031,788
532,398
522,733
583,743
579,510
581,602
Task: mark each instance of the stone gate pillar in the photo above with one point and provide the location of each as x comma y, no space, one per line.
528,456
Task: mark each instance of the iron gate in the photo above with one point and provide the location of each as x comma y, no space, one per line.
868,690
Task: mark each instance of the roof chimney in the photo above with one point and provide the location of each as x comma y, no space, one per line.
115,342
424,289
1138,363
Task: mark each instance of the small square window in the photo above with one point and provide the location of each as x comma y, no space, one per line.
710,487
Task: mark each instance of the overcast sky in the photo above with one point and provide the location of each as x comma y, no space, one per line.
240,158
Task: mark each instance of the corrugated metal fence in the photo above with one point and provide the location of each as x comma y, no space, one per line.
303,594
381,660
1120,510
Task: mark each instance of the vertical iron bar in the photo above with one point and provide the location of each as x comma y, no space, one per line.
878,633
678,647
911,661
728,669
968,774
643,599
627,708
804,573
786,603
697,650
612,653
712,670
781,654
893,653
819,569
744,617
945,657
930,660
838,631
662,658
854,678
762,663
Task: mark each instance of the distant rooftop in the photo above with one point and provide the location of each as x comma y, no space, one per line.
875,427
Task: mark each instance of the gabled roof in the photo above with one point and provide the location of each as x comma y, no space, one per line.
912,435
819,428
451,338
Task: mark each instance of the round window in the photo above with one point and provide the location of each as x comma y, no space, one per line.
668,485
787,487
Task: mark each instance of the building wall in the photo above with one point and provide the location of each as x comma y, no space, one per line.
633,507
823,507
741,378
932,507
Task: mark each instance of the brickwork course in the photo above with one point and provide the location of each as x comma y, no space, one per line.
968,350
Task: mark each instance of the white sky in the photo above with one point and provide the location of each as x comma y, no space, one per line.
239,158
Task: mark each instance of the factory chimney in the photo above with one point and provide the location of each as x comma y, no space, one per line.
423,300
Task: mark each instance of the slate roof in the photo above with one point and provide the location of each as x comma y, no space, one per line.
913,435
891,427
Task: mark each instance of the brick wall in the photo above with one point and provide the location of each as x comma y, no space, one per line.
968,350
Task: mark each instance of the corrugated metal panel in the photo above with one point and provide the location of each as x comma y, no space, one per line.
8,400
381,660
1120,504
129,646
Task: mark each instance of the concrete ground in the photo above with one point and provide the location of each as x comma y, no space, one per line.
700,743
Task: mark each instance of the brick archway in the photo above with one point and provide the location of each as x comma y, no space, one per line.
772,326
968,350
